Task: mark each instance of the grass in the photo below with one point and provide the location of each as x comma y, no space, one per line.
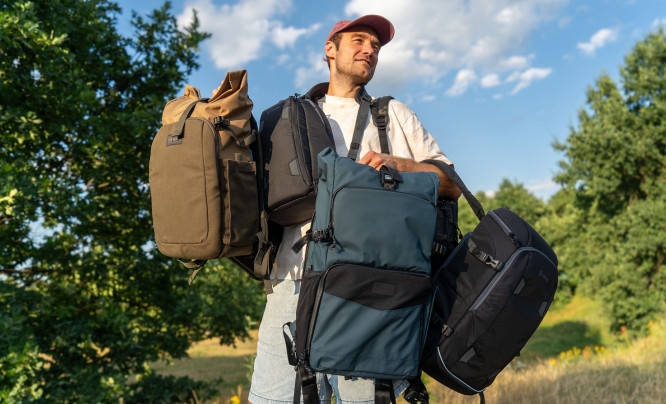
228,366
572,358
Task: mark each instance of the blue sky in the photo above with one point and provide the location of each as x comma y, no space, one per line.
495,81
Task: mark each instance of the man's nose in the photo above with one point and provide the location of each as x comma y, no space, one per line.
368,49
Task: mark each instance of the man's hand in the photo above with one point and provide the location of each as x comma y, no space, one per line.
377,160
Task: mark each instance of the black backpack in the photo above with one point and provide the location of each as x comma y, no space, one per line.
293,132
493,291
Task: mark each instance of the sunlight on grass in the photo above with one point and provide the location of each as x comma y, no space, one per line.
572,358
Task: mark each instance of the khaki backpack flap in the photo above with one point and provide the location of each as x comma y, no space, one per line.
202,180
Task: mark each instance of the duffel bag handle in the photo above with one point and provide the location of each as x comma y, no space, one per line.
453,176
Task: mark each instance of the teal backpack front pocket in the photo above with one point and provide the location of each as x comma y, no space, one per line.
368,321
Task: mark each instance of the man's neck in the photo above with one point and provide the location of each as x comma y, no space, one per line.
342,88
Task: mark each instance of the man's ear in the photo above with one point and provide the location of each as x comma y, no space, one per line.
330,49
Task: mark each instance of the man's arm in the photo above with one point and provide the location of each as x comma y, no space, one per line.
447,189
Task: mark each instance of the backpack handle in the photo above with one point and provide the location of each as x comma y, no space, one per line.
453,176
180,126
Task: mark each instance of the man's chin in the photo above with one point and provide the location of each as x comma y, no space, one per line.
363,79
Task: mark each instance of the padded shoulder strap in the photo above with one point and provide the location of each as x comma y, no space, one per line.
364,99
379,111
453,176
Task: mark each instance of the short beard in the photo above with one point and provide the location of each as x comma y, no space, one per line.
354,79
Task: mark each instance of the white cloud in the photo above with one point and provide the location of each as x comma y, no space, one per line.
515,62
544,188
315,71
600,39
240,31
464,79
527,77
283,37
490,80
659,22
434,37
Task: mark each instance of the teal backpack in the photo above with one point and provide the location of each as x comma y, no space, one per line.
366,293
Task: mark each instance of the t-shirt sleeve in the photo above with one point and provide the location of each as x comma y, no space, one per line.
421,143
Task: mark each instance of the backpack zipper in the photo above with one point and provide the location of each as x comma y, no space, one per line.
296,134
456,378
505,228
322,116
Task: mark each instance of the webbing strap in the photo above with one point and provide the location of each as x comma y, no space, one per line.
384,393
263,261
361,119
308,386
453,176
196,265
180,126
379,111
483,256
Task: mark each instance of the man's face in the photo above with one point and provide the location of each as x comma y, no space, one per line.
357,55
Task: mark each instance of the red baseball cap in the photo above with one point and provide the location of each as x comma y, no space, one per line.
381,25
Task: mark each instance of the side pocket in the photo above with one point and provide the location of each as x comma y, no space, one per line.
240,200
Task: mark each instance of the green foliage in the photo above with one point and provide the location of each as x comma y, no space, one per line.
611,234
85,297
510,195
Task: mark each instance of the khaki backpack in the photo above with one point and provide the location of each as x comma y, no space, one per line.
203,182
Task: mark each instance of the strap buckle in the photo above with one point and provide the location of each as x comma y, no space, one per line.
389,177
322,235
416,392
220,121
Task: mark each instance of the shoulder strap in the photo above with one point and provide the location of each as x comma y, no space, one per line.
379,111
364,99
453,176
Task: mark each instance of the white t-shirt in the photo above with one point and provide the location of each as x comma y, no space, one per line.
406,136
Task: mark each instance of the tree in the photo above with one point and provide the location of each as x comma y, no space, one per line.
616,167
510,195
86,300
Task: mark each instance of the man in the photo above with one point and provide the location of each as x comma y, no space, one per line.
352,50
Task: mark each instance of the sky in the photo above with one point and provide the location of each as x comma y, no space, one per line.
496,82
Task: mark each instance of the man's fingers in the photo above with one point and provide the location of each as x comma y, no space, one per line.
367,157
372,159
